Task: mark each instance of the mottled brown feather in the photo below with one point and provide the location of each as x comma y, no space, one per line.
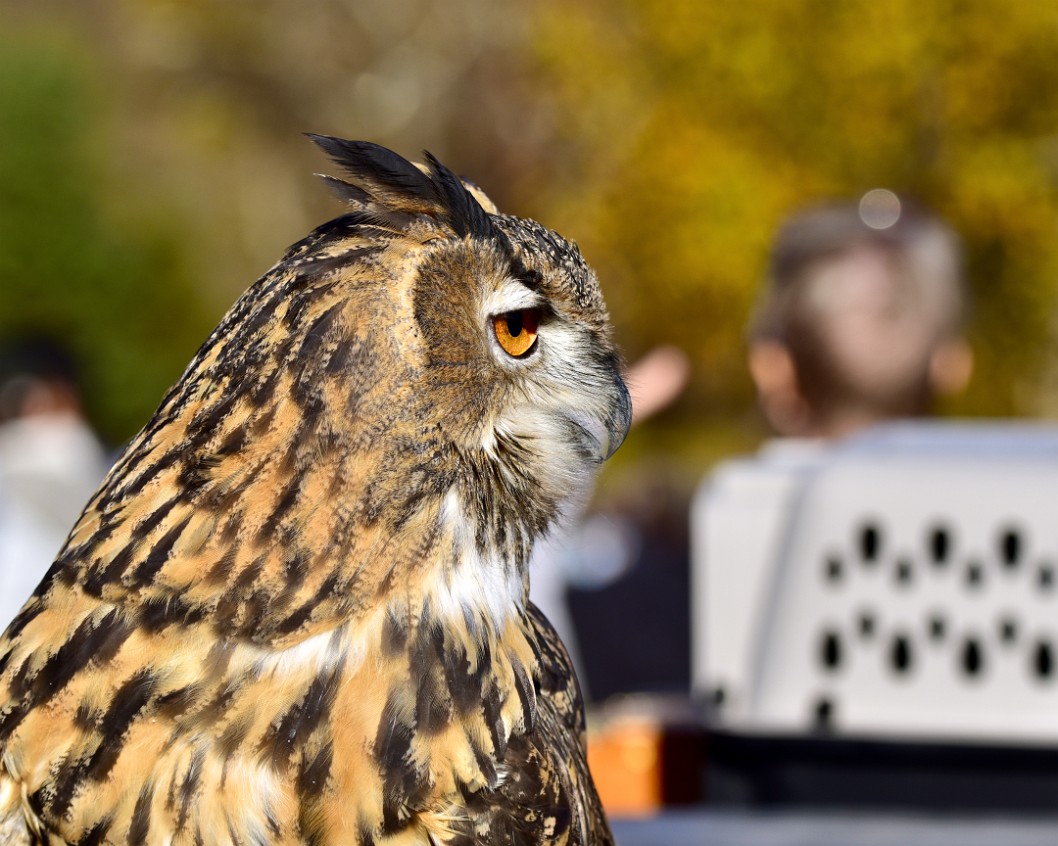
295,611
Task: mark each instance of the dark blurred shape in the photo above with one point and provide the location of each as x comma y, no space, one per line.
38,376
861,319
50,461
634,632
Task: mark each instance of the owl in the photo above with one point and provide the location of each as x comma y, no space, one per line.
295,611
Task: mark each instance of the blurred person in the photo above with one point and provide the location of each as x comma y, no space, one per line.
861,319
656,380
50,462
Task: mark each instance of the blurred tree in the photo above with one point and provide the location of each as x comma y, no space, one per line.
213,99
153,164
103,280
151,161
691,130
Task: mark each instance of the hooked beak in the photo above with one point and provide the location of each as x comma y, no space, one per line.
619,420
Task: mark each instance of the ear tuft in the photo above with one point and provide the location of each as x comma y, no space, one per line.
345,191
466,214
379,179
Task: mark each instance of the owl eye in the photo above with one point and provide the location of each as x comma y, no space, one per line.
516,330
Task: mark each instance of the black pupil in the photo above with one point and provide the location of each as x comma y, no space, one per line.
514,323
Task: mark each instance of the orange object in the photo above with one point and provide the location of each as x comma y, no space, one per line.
642,763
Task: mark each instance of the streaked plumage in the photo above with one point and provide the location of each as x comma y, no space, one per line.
295,611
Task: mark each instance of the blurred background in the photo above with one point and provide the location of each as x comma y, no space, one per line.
152,165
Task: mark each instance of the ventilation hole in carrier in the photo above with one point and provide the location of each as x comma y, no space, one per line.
940,544
833,570
904,572
823,714
830,650
870,542
972,658
1043,661
900,656
1010,548
865,623
938,627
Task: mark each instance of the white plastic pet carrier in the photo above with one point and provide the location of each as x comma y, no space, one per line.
903,584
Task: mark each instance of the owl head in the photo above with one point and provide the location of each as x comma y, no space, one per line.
422,385
505,343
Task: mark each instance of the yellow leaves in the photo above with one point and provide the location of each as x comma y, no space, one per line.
700,126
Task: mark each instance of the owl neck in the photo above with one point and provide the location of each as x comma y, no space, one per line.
491,516
484,580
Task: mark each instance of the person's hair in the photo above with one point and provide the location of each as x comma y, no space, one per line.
30,358
905,279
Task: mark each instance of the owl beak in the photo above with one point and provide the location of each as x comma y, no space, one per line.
602,433
620,418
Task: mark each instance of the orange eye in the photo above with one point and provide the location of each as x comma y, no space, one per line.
516,330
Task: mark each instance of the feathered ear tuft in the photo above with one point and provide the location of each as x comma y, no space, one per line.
345,191
466,214
381,179
378,176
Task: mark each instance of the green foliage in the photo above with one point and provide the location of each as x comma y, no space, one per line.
692,129
109,285
151,162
